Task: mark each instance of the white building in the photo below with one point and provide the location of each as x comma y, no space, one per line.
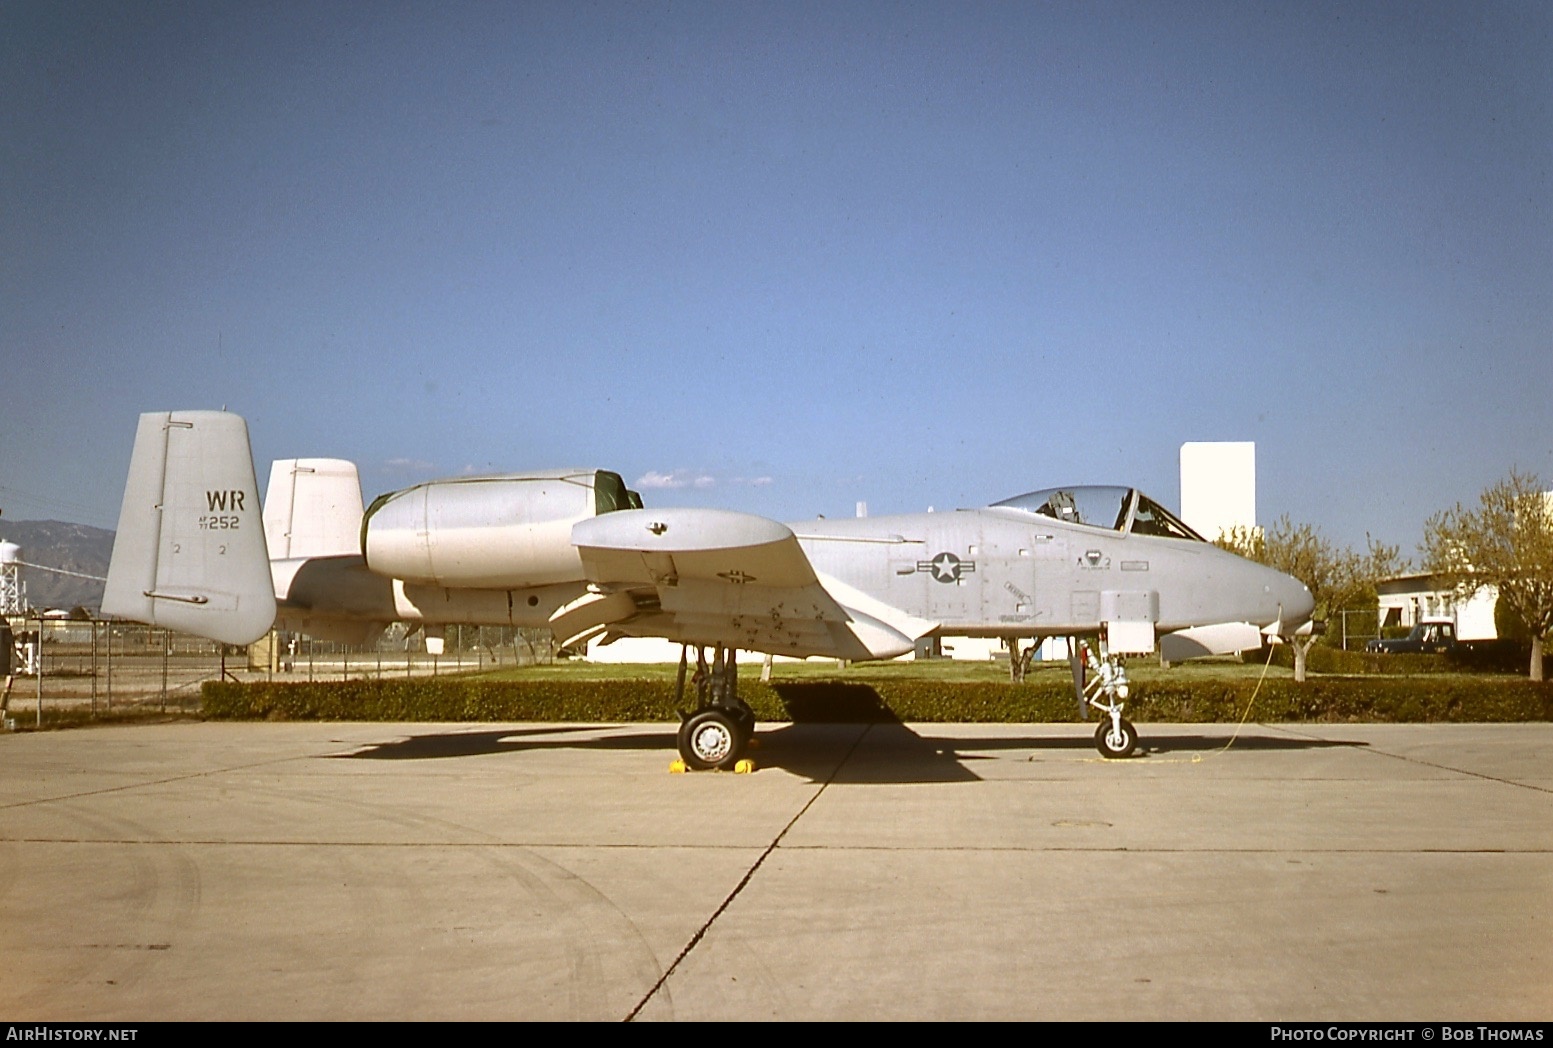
654,649
1408,599
1218,486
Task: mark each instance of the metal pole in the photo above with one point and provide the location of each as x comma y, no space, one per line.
167,647
94,668
38,647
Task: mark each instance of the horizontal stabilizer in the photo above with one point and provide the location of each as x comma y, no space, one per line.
190,554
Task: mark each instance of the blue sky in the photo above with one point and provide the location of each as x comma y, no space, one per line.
784,257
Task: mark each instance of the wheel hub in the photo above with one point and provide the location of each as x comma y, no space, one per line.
712,743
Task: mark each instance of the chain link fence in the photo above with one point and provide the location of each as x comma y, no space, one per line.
100,666
1355,627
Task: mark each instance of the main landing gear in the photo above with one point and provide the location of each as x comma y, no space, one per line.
1106,690
717,733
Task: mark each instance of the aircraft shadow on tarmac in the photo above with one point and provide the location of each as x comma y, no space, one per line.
850,737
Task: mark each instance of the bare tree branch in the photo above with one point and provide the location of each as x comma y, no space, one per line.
1337,578
1505,543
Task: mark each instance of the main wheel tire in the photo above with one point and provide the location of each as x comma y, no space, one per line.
711,739
1114,745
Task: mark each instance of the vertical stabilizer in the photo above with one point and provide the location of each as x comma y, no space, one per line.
312,508
190,552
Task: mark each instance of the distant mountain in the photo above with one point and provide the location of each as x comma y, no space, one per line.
74,547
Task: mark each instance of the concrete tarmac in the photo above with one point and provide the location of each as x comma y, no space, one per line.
543,871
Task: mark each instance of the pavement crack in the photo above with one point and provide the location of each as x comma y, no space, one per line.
695,940
1373,751
143,783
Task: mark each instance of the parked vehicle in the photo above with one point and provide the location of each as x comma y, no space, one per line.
1429,637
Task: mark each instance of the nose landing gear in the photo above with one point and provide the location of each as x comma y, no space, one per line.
1107,690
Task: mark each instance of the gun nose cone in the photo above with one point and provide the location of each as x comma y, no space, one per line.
1298,605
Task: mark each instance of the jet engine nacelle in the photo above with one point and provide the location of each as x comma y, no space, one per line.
504,532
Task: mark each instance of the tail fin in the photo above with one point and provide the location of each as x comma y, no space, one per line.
190,552
312,508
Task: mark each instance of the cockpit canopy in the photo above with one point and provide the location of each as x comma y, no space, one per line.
1127,510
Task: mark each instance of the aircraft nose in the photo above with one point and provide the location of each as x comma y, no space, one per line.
1295,603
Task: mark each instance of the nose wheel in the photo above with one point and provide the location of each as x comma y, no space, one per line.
1116,740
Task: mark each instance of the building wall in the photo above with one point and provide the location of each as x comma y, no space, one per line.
655,649
1406,601
1218,486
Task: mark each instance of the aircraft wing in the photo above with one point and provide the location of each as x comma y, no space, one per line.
705,576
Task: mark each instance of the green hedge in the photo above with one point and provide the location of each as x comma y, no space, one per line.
1323,659
1472,657
1364,699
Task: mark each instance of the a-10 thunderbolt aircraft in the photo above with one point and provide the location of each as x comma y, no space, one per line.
574,551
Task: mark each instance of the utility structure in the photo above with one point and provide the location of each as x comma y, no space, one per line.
13,595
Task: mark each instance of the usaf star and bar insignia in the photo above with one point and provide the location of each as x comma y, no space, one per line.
946,567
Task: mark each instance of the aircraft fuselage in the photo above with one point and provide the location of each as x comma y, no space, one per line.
1005,572
994,572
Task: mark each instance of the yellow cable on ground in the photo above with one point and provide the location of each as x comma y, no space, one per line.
1198,758
1249,703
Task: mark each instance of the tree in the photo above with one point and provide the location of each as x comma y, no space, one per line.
1506,543
1337,578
